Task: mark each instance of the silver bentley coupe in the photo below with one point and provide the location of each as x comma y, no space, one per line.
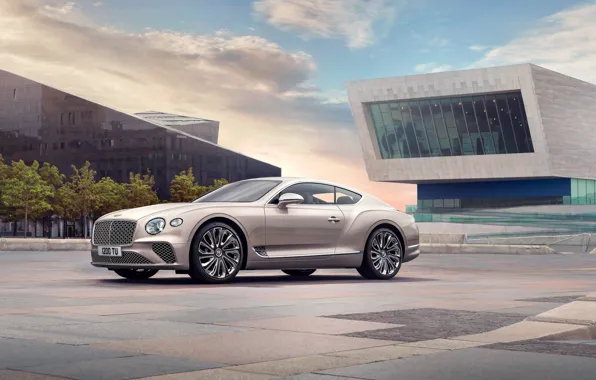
288,224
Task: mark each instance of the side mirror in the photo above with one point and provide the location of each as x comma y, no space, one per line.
289,199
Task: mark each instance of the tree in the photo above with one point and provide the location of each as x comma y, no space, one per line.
27,192
2,169
139,190
51,175
7,214
183,187
83,187
65,202
111,195
217,183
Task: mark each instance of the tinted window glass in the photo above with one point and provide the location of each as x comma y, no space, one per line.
242,191
400,130
452,126
313,193
343,196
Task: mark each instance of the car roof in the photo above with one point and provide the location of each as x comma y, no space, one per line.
288,180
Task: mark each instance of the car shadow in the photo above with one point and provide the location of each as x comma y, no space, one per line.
261,281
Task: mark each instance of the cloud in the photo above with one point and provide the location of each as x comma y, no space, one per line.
59,8
564,42
98,4
261,93
478,48
352,20
441,68
422,67
432,67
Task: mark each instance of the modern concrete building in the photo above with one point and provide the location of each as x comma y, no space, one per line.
489,138
41,123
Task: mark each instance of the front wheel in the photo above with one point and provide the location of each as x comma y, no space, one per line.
299,272
216,254
382,256
136,274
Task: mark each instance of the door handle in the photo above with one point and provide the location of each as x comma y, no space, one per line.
333,219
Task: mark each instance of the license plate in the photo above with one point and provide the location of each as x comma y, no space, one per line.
110,251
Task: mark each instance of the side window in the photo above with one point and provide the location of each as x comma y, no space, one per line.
313,193
346,197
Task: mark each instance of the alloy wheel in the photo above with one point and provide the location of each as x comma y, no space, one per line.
219,252
386,252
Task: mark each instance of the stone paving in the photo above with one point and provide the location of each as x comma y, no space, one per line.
61,318
427,324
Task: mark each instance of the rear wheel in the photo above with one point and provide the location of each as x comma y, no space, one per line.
382,256
216,254
299,272
136,274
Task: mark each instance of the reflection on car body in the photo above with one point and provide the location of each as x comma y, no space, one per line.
294,225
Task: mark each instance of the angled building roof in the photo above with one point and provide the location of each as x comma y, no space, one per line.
202,128
171,119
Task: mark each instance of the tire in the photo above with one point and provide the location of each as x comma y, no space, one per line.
383,255
216,254
136,274
299,272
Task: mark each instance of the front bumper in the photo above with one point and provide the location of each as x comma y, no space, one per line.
145,255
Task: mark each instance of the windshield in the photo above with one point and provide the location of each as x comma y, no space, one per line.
242,191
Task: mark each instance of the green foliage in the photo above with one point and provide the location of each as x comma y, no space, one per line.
83,188
35,191
139,190
111,195
8,214
26,192
185,189
2,169
51,175
217,184
65,203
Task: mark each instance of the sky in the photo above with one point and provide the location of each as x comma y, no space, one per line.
274,72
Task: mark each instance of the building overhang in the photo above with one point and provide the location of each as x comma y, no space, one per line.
554,111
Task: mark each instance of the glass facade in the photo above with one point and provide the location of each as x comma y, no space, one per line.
40,123
445,198
583,192
453,126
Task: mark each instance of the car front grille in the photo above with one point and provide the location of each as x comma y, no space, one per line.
126,258
114,232
165,252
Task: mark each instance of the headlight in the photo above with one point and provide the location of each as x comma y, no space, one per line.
155,226
176,222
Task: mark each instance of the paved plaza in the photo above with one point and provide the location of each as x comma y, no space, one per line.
62,318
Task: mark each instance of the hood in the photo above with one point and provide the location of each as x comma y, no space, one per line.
158,210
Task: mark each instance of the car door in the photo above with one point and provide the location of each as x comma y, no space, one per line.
310,228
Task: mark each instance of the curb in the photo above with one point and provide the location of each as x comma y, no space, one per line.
581,313
573,321
19,244
34,244
487,249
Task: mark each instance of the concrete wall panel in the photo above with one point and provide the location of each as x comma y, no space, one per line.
568,111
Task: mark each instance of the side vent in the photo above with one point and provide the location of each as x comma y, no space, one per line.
260,250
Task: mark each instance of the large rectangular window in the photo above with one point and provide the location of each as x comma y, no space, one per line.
452,126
